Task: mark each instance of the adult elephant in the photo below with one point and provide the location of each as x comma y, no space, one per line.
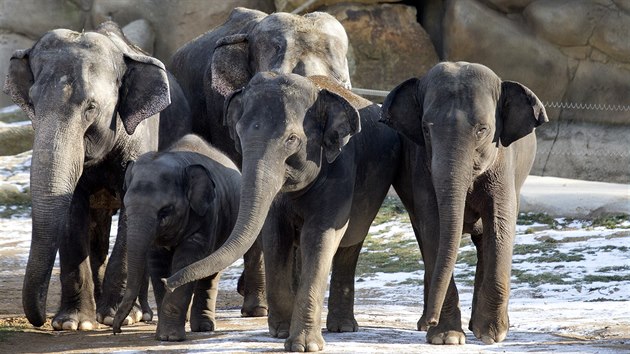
89,96
316,168
217,63
475,145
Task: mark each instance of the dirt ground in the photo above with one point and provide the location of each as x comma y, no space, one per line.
384,328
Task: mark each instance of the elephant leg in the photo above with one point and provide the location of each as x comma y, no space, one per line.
78,307
278,237
172,313
160,260
490,322
99,231
115,279
251,283
318,249
476,236
202,313
341,300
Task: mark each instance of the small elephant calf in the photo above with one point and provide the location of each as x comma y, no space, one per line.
181,205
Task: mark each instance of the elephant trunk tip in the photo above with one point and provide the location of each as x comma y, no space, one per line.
169,284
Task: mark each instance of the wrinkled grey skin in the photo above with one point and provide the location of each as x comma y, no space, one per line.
317,165
181,205
217,63
89,96
474,146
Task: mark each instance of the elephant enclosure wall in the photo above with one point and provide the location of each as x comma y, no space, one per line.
567,51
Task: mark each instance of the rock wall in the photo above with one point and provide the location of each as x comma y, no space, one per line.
576,52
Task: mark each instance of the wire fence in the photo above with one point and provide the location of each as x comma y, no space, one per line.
548,104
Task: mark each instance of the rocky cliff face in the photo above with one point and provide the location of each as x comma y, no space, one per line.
576,52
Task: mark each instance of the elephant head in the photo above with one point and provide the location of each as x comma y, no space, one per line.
313,44
79,90
288,129
166,199
461,115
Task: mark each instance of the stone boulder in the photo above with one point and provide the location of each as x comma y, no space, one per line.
382,55
311,5
475,33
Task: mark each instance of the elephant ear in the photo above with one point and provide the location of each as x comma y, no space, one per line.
340,122
19,81
144,91
232,111
230,64
200,188
403,111
520,111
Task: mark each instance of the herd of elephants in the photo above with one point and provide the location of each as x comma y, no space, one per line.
297,170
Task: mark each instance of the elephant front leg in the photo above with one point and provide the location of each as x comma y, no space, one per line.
317,249
78,307
202,313
114,282
489,321
172,314
341,300
251,284
278,246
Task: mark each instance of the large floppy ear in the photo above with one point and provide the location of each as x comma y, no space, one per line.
340,122
402,110
230,64
200,188
232,111
19,81
520,111
144,90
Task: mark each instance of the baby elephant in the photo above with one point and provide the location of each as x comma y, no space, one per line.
181,205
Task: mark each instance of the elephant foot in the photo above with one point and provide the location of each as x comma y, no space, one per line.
308,341
436,335
449,331
422,324
258,311
203,325
279,329
74,321
490,331
342,325
136,315
170,333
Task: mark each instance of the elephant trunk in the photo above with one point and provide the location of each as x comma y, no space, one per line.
451,179
261,181
140,235
55,170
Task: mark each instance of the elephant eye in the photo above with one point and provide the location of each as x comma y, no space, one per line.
482,131
165,212
292,141
91,109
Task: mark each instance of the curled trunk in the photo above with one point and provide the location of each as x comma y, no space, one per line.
260,183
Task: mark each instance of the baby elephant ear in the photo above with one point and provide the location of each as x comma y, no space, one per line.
520,111
200,188
19,81
232,111
230,65
144,91
341,121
